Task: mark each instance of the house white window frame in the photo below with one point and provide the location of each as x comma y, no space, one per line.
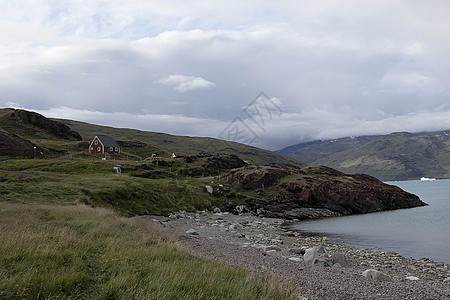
96,142
99,149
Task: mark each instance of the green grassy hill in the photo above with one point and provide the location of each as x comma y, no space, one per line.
51,144
397,156
181,145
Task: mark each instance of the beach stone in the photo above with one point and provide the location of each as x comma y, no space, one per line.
320,250
216,210
209,189
272,247
322,261
341,259
317,256
192,232
376,275
412,278
447,280
300,251
294,258
310,255
240,209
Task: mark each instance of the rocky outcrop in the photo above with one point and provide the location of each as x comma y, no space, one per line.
256,177
298,213
315,192
14,146
54,128
214,165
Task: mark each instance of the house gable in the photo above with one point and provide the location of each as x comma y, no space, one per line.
104,144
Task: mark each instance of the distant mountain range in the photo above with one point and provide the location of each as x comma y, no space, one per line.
396,156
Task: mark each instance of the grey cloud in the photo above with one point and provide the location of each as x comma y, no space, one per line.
339,68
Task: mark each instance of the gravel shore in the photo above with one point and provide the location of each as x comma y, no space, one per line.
266,245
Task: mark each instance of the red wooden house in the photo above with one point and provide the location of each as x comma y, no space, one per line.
104,144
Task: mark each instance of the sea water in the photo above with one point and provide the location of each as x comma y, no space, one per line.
414,232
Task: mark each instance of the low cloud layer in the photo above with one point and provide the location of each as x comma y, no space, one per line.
193,68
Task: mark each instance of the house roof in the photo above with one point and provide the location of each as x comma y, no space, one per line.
107,141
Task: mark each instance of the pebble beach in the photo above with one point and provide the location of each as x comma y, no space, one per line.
268,246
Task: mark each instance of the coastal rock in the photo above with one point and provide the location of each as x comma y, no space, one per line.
322,261
310,255
317,192
192,232
412,278
272,247
295,258
320,250
298,213
299,251
341,259
447,280
317,256
376,275
255,177
209,189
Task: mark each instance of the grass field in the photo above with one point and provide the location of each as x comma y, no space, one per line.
79,252
95,183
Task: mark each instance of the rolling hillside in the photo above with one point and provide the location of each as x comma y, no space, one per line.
181,145
397,156
56,137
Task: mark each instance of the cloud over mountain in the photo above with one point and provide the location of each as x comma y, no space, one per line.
334,67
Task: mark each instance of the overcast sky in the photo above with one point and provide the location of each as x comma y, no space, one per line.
269,73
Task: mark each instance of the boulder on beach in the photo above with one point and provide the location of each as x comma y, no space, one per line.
376,275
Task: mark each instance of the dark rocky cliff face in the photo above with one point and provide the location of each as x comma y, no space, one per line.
54,128
301,191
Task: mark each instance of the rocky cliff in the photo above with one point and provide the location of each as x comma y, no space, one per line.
310,192
54,128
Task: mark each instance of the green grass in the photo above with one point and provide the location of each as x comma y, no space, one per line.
94,182
78,252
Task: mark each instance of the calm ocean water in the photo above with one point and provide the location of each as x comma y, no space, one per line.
415,232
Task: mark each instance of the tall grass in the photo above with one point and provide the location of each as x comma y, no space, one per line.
78,252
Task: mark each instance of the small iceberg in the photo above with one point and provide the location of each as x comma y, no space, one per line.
427,179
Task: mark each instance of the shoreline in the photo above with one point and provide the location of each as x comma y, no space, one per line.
267,246
349,243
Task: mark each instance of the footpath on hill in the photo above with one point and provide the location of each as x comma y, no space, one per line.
267,246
